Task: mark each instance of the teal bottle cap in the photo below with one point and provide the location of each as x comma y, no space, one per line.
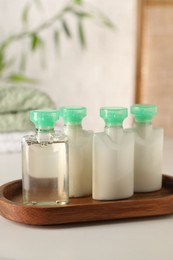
113,115
143,113
73,115
44,118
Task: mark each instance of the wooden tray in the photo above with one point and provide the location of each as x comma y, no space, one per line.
85,209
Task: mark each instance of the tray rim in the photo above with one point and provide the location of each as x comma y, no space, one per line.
11,207
130,199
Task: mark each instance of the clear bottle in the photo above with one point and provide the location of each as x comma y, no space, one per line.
113,157
45,162
148,149
80,152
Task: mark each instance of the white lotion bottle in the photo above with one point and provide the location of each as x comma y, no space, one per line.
80,151
113,157
148,149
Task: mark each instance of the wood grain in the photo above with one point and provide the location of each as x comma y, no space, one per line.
154,77
85,209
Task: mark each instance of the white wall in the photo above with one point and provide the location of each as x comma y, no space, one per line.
102,75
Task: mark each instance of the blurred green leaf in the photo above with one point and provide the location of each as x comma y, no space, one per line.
57,43
2,61
4,64
78,2
81,33
66,29
23,61
38,4
107,22
67,9
21,78
25,15
5,44
83,14
36,41
56,38
76,8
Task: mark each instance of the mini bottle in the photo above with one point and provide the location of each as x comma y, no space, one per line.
80,151
148,149
45,162
113,157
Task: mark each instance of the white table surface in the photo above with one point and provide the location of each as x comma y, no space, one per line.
142,239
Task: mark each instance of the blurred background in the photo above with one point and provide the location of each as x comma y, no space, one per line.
89,53
101,73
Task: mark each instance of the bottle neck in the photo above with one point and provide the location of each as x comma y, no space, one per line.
73,130
45,135
73,125
115,132
144,129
